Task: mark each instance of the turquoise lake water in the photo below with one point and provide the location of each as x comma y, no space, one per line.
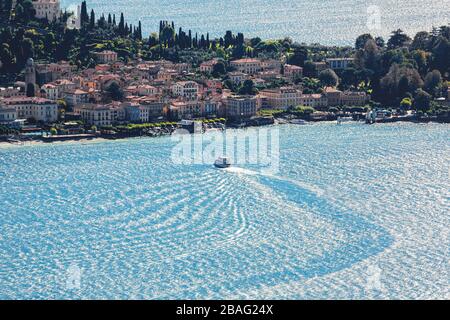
354,211
328,22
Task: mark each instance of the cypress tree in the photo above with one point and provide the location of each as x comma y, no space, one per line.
139,31
92,20
84,17
122,25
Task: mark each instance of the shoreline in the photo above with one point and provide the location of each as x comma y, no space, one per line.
104,138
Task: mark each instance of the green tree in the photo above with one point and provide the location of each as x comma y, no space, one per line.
329,78
433,82
84,17
6,57
361,40
298,57
398,39
92,20
422,100
248,88
115,91
219,69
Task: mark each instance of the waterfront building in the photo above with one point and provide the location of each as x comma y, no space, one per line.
39,109
210,107
317,101
101,115
151,109
185,109
47,9
281,98
353,98
334,96
133,113
7,115
247,65
339,63
239,106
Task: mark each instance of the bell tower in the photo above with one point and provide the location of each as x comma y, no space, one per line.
30,72
30,78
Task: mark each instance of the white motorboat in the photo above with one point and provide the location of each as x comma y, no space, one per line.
222,162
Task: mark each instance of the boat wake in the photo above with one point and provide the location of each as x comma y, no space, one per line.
237,170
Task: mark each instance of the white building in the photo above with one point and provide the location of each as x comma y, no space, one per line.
39,109
314,100
76,97
8,114
50,91
339,63
237,77
10,92
49,9
248,65
282,98
185,89
100,115
106,56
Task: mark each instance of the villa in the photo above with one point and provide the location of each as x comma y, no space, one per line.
281,98
39,109
106,56
248,66
186,89
237,106
339,63
293,72
47,9
207,66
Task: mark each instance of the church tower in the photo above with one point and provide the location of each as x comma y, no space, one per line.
30,77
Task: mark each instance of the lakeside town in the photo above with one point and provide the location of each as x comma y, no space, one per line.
112,94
